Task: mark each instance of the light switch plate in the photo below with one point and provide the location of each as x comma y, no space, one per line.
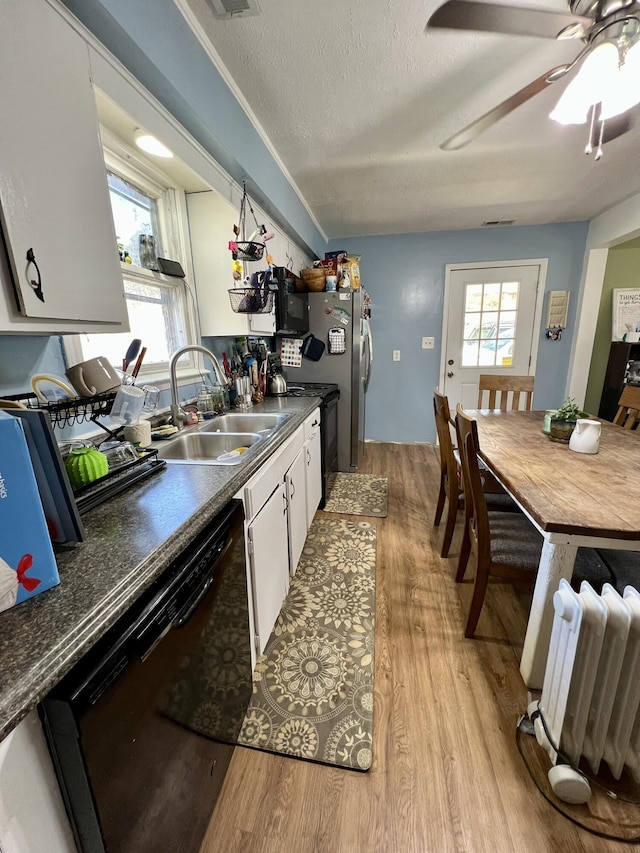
428,343
396,355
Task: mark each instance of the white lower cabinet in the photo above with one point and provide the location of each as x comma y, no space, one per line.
295,480
280,501
312,453
268,552
32,813
266,509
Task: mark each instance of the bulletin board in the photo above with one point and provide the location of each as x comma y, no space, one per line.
626,313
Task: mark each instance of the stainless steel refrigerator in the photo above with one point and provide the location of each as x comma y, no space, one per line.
336,318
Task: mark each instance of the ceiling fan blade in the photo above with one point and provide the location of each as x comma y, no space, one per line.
616,126
513,20
473,130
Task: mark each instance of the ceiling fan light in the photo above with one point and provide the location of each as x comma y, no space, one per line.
572,108
626,93
596,77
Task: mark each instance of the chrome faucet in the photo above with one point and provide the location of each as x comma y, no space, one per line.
177,414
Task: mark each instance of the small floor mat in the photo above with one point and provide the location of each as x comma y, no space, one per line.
313,686
357,494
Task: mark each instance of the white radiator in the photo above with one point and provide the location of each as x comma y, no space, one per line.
591,691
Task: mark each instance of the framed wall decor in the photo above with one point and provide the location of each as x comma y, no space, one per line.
626,314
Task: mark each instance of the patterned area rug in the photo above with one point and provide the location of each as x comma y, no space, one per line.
313,687
357,494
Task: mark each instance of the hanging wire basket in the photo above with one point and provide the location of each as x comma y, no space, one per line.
251,300
243,249
250,251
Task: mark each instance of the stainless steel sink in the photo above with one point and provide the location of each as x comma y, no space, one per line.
205,448
243,422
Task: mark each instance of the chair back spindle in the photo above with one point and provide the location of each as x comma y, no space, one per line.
504,392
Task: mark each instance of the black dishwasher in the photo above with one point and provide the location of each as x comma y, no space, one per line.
141,731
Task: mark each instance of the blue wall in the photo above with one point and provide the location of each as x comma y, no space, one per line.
154,42
23,356
404,275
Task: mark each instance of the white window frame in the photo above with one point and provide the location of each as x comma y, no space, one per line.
172,218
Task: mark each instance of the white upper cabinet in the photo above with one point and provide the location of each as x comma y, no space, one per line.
54,203
211,221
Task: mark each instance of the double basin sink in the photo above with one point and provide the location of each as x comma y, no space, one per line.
224,440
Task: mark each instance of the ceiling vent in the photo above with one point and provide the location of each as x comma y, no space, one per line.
225,9
491,223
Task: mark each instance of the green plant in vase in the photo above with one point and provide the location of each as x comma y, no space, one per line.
563,420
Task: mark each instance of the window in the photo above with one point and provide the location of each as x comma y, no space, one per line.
146,214
489,324
135,216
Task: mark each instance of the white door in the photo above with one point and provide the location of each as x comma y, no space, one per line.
296,496
268,546
491,319
313,453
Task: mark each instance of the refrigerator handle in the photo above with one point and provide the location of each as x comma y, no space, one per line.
368,341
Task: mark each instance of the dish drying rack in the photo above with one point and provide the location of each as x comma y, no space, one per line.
81,410
70,411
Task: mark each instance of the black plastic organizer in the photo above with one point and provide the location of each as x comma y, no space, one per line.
112,484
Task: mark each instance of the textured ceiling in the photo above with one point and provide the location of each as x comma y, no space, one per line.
356,99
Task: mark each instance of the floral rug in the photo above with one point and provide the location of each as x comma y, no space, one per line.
357,494
313,686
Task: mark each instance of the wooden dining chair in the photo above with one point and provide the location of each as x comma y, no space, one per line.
504,391
450,488
505,546
628,414
450,492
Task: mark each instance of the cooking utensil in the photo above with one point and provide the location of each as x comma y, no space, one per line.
138,363
132,353
227,368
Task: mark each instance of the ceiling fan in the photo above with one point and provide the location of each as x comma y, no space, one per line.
607,82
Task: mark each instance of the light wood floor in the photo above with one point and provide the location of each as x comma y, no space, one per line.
446,774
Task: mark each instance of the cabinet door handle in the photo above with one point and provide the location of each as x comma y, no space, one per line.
36,285
286,504
308,456
293,489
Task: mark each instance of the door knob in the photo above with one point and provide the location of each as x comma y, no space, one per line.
450,373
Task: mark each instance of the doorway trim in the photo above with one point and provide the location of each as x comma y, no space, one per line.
481,265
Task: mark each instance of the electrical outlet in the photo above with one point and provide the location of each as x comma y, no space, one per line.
396,355
428,343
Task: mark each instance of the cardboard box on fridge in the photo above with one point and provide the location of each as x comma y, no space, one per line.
27,562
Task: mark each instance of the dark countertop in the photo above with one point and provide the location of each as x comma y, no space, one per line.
130,540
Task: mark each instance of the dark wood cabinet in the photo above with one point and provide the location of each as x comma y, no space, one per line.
620,354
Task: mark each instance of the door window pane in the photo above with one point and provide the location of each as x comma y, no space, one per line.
489,333
473,298
491,297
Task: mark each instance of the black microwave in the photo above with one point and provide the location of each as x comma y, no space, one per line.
292,306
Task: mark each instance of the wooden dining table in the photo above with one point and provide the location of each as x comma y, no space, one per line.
573,499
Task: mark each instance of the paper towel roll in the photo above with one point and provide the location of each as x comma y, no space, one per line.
139,433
